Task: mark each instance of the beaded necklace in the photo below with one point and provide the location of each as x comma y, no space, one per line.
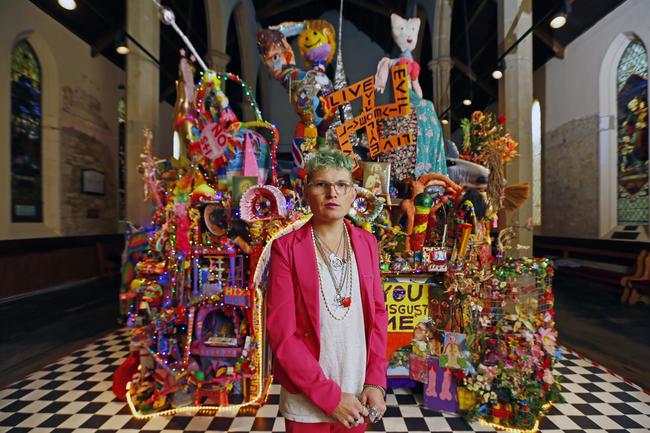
346,301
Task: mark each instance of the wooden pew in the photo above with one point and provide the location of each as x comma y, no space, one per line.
596,251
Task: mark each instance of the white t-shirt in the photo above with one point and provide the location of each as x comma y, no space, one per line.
342,348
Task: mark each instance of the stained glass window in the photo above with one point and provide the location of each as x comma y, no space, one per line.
632,123
26,157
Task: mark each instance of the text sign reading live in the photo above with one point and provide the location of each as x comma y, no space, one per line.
365,89
407,304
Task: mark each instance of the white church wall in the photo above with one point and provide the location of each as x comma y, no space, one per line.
80,126
574,203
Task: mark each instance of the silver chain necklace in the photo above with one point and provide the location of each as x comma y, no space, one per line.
338,285
335,260
339,299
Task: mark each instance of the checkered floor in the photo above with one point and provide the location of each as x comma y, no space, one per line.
74,395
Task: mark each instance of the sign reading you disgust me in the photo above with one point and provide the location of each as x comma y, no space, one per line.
407,304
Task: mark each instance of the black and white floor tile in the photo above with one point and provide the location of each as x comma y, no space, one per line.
74,395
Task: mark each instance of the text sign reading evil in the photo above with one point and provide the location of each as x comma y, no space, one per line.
365,89
407,304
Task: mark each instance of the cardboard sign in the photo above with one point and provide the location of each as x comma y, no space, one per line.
407,305
440,392
214,140
236,296
365,89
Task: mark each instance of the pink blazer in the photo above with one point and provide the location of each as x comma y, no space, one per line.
293,315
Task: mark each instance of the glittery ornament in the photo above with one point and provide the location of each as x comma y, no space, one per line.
366,207
344,113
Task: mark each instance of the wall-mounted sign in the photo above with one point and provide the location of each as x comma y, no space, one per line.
92,182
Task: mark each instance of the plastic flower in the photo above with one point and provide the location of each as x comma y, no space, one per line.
548,377
477,116
528,336
547,337
520,318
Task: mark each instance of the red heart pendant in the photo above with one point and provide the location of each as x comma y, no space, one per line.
346,301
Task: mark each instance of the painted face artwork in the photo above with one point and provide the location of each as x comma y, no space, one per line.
317,42
405,31
274,50
315,45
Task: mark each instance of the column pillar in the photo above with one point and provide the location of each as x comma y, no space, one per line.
218,60
244,15
441,70
142,101
442,62
515,102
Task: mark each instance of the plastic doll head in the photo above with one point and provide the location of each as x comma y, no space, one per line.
405,31
317,42
274,50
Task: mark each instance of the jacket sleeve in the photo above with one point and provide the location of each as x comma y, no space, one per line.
377,362
289,350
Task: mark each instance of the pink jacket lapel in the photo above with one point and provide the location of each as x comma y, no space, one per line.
306,269
366,274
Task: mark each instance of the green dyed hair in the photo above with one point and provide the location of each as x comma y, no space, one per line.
328,158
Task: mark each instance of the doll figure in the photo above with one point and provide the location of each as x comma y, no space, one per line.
275,51
420,342
307,89
430,153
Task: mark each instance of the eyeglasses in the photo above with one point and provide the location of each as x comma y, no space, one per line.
321,186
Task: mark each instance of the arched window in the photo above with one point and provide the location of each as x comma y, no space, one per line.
536,122
26,132
632,132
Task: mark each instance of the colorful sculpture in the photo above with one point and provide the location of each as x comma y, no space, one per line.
430,150
307,89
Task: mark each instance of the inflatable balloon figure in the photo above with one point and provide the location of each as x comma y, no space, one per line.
222,144
430,151
307,88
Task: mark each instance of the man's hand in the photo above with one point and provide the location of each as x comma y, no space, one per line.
349,410
372,397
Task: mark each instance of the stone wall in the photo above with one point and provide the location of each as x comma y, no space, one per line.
87,143
81,213
570,180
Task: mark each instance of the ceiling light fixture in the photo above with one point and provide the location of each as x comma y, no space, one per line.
560,18
120,43
68,4
497,74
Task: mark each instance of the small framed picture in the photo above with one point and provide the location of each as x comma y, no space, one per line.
92,182
376,177
453,352
239,186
